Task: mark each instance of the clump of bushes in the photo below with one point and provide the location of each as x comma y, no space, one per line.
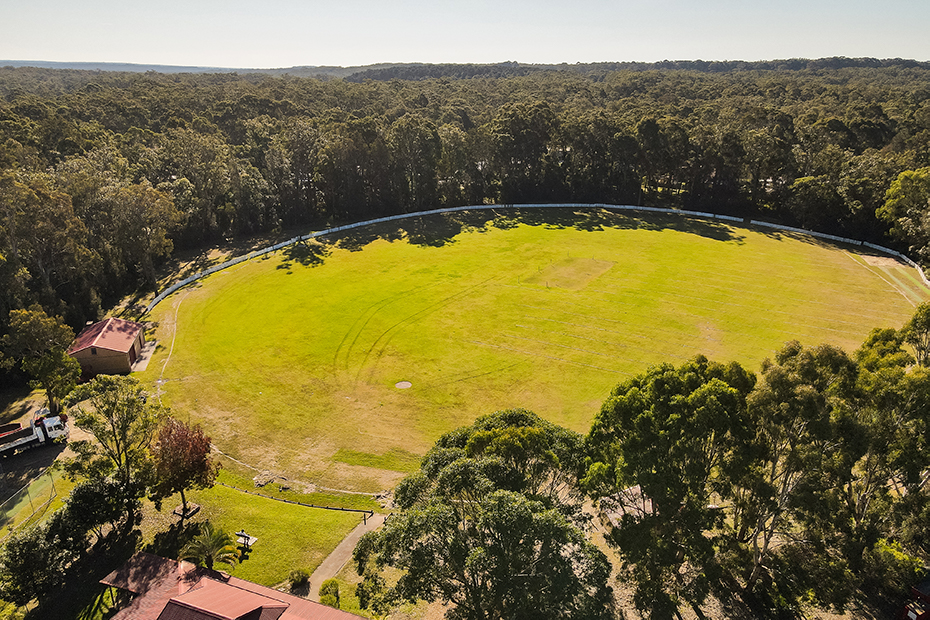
298,578
329,593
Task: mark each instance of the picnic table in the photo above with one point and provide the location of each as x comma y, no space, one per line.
245,540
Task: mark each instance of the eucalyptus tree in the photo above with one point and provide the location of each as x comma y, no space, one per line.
39,344
484,528
665,449
907,203
123,421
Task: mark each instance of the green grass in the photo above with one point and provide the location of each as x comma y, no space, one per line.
291,362
103,606
281,490
289,536
394,460
45,495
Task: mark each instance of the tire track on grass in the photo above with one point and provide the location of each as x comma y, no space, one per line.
457,378
427,310
174,335
367,315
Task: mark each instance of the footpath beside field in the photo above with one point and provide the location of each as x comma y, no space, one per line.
340,555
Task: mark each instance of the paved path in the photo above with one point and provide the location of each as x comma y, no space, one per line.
340,555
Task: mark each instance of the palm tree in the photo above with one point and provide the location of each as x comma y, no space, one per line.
210,546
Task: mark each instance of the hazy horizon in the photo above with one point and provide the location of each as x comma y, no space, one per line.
290,33
17,62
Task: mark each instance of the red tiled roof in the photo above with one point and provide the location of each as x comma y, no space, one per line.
298,608
112,334
171,590
167,578
227,602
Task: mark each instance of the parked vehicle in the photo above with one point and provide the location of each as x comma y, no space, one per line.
44,428
918,608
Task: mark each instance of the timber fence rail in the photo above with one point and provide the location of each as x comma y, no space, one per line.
328,231
369,513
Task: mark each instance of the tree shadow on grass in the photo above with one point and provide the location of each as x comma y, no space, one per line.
810,239
19,469
308,254
592,219
168,544
82,595
15,402
355,239
441,229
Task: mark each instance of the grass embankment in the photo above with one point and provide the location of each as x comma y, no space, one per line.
291,362
289,536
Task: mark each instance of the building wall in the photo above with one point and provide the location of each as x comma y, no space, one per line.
105,362
100,361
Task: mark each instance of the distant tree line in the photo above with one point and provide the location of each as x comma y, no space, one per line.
104,175
422,71
803,486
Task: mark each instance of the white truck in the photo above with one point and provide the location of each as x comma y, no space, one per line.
44,428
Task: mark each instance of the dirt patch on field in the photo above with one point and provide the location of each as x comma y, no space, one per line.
882,261
572,274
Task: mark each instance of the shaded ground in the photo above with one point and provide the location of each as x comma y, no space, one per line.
16,470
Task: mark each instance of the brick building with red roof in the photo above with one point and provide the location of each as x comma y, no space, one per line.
108,347
162,589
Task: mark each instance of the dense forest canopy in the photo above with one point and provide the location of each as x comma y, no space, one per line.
104,174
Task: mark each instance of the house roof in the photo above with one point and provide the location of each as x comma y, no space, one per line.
170,590
221,601
111,333
141,573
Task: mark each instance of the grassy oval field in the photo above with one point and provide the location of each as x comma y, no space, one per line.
300,362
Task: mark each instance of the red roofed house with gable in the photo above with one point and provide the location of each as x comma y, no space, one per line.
108,347
162,589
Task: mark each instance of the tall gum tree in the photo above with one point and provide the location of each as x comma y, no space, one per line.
39,343
791,411
484,528
117,412
664,448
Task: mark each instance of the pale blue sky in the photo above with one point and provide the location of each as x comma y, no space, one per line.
284,33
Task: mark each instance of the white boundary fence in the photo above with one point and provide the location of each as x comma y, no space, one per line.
235,261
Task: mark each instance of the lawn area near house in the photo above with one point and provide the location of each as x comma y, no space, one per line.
289,536
341,362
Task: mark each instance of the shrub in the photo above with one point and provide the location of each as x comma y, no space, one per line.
297,578
329,593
